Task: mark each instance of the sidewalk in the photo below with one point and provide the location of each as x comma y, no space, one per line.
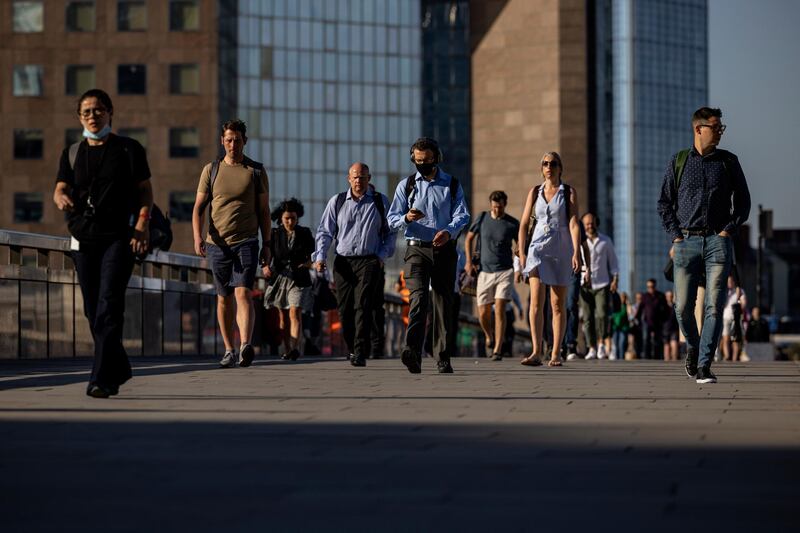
319,445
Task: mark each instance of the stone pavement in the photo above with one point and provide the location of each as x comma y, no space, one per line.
317,445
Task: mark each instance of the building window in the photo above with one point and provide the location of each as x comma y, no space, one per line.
72,136
184,79
79,79
131,79
131,16
138,134
28,144
181,204
184,15
80,16
28,17
184,142
28,80
28,206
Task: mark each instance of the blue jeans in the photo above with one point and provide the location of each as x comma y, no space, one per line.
571,307
694,257
620,343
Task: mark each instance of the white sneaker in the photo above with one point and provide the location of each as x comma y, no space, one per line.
601,352
592,354
613,354
572,356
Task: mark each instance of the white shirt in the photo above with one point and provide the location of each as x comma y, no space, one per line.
602,260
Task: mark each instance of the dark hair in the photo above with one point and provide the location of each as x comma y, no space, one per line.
498,196
100,95
594,217
653,281
426,143
292,205
705,113
235,125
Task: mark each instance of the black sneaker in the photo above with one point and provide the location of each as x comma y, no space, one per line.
358,360
691,362
444,367
496,357
247,354
97,391
412,361
705,375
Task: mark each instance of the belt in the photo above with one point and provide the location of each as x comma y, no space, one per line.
704,232
417,242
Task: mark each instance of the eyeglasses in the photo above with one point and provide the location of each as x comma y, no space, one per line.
716,129
550,164
96,111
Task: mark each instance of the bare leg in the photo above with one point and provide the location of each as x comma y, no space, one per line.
499,324
225,314
296,325
245,313
725,344
675,348
485,319
285,330
558,296
737,350
536,315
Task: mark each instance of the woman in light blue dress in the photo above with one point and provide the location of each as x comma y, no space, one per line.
552,254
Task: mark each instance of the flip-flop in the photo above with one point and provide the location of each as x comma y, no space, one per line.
554,362
531,360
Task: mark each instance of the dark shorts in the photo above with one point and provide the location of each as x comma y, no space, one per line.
233,266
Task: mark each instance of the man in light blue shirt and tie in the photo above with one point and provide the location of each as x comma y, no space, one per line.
429,208
356,219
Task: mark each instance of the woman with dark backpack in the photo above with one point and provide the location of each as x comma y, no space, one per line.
103,185
552,255
288,273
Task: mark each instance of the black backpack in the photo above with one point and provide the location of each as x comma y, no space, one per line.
160,225
376,197
411,180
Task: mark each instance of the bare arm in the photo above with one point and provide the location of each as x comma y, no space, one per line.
469,242
574,230
523,228
265,223
141,231
200,203
61,197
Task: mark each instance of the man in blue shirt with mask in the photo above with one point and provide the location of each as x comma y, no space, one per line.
356,219
429,208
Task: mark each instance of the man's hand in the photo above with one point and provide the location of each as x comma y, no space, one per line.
266,271
614,284
199,246
140,239
265,256
63,201
518,277
441,238
469,268
724,233
320,266
413,215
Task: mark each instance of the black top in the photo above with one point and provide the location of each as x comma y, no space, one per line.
107,176
496,241
293,258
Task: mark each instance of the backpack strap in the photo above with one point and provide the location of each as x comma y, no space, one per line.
567,203
680,163
340,199
73,153
378,199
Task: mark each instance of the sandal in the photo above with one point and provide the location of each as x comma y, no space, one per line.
531,360
554,362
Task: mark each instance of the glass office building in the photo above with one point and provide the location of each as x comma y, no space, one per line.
650,73
322,84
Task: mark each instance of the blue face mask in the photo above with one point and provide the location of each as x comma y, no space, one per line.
99,135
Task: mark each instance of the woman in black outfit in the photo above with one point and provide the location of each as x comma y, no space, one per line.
103,185
288,273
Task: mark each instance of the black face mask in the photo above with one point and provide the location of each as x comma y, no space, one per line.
425,168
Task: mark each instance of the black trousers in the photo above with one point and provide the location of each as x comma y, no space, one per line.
103,273
357,281
435,268
378,333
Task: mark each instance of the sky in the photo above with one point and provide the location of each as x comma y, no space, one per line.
754,77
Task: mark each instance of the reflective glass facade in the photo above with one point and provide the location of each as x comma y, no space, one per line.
322,84
651,73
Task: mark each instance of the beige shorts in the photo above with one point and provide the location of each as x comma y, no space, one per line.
495,285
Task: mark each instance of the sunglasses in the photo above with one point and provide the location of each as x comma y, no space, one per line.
550,164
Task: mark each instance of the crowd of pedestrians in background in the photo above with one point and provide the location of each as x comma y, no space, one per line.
570,266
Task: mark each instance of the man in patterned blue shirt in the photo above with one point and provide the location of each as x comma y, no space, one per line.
704,200
429,207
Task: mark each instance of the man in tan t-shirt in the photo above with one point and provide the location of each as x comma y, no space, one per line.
239,207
